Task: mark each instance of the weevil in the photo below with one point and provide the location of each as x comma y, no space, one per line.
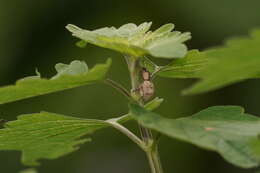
146,88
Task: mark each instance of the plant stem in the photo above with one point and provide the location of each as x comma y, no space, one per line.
118,87
154,159
128,133
151,162
146,134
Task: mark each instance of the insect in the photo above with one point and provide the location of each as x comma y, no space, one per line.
146,89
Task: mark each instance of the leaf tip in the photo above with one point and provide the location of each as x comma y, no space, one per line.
187,92
72,28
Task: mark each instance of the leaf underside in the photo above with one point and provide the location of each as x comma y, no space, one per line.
186,67
224,129
46,135
69,76
136,40
238,60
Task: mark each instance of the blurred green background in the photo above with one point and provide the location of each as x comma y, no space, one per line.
32,34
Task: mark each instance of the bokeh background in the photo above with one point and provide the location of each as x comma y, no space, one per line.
32,34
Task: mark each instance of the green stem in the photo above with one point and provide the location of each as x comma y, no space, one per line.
154,156
151,162
128,133
146,134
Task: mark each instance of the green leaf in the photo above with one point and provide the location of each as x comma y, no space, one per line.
238,60
187,67
224,129
74,68
46,135
152,105
30,170
168,46
69,76
136,40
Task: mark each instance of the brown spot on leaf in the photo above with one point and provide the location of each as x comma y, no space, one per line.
209,128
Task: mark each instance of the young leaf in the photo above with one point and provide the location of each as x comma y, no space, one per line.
153,104
46,135
187,67
68,76
74,68
136,40
224,129
238,60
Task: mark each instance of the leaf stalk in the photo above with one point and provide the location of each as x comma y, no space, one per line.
128,133
118,87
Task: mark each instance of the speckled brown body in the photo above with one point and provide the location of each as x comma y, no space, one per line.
146,88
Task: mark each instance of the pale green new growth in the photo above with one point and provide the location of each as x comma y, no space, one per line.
46,135
225,129
187,67
136,40
237,61
69,76
74,68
